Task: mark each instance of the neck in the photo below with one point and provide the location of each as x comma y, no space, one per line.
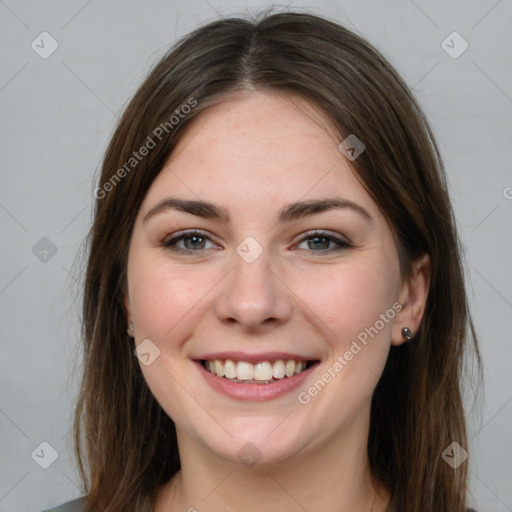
332,477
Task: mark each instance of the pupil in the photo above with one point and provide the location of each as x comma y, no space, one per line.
192,238
317,238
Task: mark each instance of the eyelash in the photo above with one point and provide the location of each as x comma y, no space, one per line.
170,243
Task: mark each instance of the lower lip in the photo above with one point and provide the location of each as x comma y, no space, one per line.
254,392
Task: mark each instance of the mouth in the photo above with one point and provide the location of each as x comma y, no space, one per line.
257,381
263,372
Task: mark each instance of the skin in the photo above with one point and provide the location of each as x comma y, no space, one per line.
253,154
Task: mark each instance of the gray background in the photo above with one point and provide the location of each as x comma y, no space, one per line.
58,113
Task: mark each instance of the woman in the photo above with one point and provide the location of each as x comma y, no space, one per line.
274,312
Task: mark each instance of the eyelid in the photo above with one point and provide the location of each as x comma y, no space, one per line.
170,241
341,241
327,234
185,232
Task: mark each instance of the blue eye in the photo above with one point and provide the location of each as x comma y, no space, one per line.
193,241
196,241
321,241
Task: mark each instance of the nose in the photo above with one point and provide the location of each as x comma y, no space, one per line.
254,296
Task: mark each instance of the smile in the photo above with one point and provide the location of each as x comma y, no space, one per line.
265,372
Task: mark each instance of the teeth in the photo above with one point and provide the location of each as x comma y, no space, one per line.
263,372
244,371
218,368
289,368
229,369
278,370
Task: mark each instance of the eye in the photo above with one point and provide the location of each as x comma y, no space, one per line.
193,241
196,241
322,241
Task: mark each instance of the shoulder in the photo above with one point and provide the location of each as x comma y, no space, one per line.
70,506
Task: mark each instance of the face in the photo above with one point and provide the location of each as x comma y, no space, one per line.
260,280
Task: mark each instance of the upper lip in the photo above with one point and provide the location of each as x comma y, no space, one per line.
254,358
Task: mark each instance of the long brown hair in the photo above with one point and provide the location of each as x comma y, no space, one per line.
125,443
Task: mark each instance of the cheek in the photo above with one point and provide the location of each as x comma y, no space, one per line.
350,299
356,305
165,297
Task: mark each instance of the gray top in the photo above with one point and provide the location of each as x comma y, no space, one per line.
70,506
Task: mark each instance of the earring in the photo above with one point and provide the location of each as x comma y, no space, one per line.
131,330
407,334
131,327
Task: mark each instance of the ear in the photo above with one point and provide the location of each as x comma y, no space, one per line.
413,298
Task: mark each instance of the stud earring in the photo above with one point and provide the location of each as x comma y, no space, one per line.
407,334
131,327
130,330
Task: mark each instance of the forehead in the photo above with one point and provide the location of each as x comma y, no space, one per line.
261,127
257,148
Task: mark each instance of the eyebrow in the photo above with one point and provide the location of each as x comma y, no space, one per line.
290,212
